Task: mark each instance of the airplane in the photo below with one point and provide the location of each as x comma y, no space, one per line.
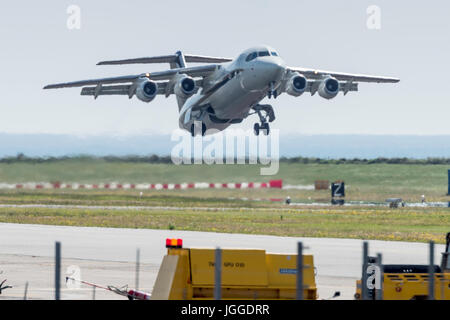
224,91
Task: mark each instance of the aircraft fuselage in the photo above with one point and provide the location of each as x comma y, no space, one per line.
233,101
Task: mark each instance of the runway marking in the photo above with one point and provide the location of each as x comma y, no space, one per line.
296,207
152,186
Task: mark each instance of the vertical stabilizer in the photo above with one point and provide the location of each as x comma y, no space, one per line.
180,61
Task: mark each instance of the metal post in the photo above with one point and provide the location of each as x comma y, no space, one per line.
57,270
379,290
364,295
138,258
299,271
93,293
26,291
448,193
218,274
431,273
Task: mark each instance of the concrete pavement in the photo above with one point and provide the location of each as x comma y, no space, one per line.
107,256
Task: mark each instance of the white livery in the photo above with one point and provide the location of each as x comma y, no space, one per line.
223,91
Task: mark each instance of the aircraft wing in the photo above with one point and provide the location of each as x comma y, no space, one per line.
128,89
81,83
318,74
200,71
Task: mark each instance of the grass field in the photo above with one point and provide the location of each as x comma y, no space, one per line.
360,223
365,181
213,210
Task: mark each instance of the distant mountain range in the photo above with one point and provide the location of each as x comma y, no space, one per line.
320,146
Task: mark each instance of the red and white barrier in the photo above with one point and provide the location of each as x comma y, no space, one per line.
143,186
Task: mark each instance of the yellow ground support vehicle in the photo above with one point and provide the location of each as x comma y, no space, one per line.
414,286
411,282
188,273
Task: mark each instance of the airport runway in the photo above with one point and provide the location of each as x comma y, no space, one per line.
107,256
292,207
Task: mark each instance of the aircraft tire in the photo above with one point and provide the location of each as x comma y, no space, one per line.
266,128
256,129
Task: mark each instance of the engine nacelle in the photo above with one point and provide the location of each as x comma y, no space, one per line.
146,90
328,88
185,87
296,85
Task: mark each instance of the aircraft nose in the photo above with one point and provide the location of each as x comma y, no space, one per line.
262,73
272,70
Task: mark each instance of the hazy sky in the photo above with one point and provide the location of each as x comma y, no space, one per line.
413,44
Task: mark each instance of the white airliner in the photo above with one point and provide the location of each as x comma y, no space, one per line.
225,91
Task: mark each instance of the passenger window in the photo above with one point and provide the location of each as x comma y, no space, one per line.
263,53
274,53
251,56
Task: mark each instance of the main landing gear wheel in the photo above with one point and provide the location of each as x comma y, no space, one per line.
256,129
194,129
266,115
263,126
266,128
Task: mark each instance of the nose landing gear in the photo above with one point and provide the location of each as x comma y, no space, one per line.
266,115
272,91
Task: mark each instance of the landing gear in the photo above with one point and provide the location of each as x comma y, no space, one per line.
266,128
272,91
266,115
263,126
256,129
194,128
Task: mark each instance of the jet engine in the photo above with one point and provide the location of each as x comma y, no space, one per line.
146,90
185,87
329,88
296,85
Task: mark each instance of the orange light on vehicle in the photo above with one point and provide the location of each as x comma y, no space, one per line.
174,243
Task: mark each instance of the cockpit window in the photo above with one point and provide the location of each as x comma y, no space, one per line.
274,53
251,56
263,53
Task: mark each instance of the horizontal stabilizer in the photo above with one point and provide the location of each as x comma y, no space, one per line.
205,59
167,59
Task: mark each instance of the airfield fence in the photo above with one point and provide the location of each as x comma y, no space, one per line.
365,295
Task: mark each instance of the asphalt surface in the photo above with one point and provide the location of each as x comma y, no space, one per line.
107,256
